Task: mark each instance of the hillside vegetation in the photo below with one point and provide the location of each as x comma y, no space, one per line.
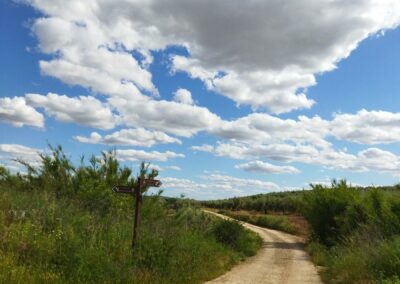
355,232
276,222
63,224
282,202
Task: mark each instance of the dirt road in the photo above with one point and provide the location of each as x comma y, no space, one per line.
281,259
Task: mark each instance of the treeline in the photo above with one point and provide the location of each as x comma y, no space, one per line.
279,202
284,202
61,223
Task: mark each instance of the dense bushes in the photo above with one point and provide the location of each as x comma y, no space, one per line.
231,234
62,224
356,233
337,212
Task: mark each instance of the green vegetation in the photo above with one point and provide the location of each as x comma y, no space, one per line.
276,222
355,232
282,202
62,224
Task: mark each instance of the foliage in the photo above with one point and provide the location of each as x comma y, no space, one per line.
231,234
283,202
61,224
355,230
356,233
276,222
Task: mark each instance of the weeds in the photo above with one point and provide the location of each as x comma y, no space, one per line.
62,224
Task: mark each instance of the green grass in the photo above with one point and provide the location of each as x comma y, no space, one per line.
61,224
359,261
44,239
275,222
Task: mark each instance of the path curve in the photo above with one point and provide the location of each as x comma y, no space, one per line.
282,259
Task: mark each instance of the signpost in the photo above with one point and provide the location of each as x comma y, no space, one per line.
137,191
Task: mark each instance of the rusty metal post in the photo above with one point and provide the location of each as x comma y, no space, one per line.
138,200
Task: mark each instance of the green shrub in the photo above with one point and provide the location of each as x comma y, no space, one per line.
356,233
281,223
325,209
235,236
228,233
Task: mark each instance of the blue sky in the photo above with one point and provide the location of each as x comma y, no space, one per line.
224,100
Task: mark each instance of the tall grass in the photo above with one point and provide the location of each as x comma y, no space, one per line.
62,224
356,233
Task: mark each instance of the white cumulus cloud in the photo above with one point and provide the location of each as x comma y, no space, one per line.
267,168
260,53
367,127
16,112
129,137
140,155
10,153
183,96
81,110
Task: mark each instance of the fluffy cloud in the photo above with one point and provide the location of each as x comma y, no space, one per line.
267,168
81,110
367,127
229,183
16,112
140,155
171,117
379,160
183,96
129,137
260,89
214,186
89,57
267,54
182,184
257,53
266,128
370,159
203,148
164,168
9,153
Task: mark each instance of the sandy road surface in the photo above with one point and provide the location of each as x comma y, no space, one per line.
281,259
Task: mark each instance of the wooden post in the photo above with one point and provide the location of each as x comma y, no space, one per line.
138,201
137,191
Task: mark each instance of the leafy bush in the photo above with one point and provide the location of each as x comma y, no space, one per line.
326,210
337,212
356,233
233,235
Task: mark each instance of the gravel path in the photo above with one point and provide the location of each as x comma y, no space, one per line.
281,259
